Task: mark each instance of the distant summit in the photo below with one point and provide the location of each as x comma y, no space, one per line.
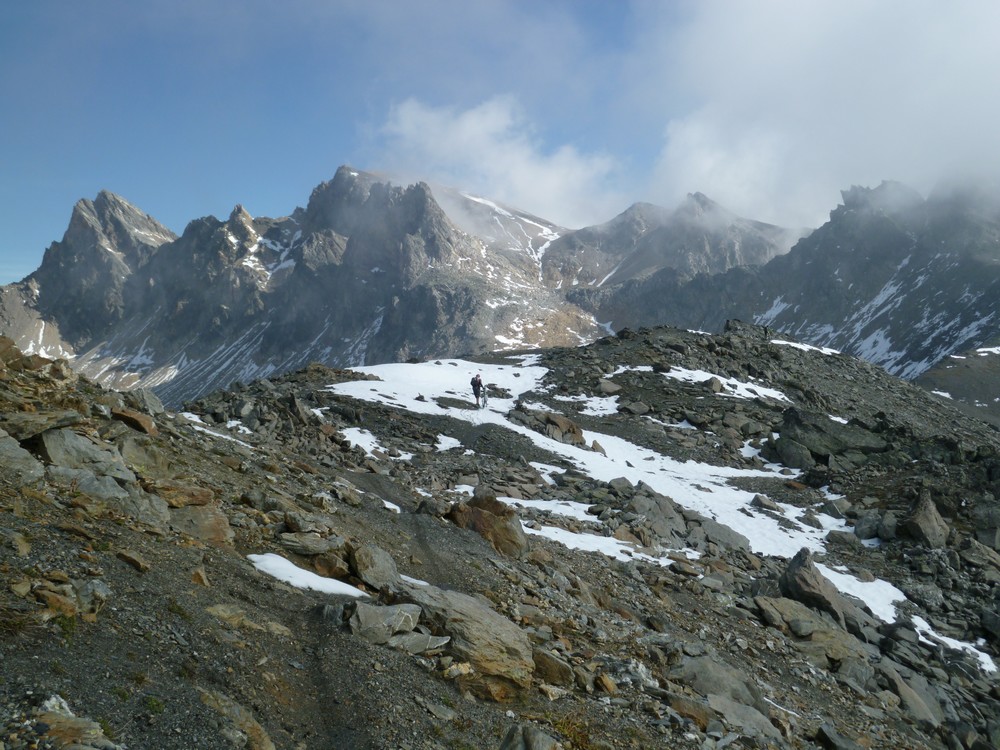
81,282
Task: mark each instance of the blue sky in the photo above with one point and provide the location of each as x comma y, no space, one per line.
571,109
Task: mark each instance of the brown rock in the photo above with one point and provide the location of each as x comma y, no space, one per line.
331,565
563,429
257,737
58,604
136,420
605,683
199,576
133,559
66,730
493,520
700,713
179,495
206,523
622,534
551,668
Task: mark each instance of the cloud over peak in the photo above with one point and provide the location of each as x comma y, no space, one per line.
493,150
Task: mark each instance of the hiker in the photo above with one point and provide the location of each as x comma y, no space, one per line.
477,387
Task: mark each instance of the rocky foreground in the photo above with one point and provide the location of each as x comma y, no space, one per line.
132,617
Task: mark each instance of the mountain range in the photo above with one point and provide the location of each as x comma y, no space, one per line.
372,272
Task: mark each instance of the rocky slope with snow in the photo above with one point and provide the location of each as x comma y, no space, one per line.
662,539
970,380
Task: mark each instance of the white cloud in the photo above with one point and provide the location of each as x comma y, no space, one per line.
493,150
771,108
790,102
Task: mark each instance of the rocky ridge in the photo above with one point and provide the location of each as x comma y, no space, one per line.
698,237
132,616
893,278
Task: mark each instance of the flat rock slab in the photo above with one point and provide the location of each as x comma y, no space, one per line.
22,425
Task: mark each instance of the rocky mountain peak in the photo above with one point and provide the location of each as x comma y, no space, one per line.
111,224
699,210
240,214
334,204
638,218
889,197
241,225
82,278
396,229
698,204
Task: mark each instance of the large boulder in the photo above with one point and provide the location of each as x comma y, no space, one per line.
915,696
311,544
803,582
925,524
823,439
378,624
551,424
815,634
496,522
793,454
23,425
497,648
986,517
563,429
17,462
64,447
374,566
709,676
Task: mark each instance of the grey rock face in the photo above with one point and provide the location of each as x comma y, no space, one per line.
69,449
19,462
925,523
374,566
83,279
